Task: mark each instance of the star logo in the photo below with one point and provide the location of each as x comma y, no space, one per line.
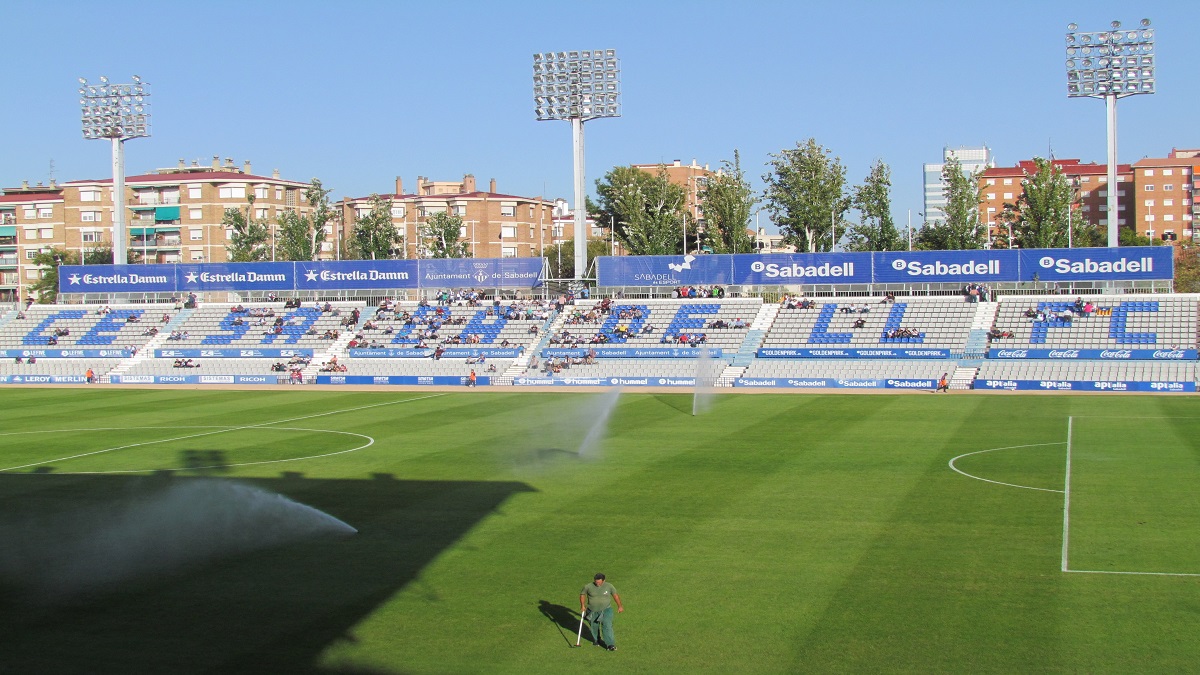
74,279
310,275
191,277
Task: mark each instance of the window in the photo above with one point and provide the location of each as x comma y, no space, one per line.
46,232
45,212
1148,172
260,213
197,256
32,273
508,231
195,234
1169,217
29,213
90,237
1167,172
1104,179
1149,217
229,233
1168,202
30,253
1120,207
462,231
508,252
278,194
1008,181
31,234
1008,195
1169,187
1087,179
326,246
261,192
460,210
991,181
991,195
1149,188
397,211
89,216
507,211
193,192
1148,202
233,192
89,195
195,214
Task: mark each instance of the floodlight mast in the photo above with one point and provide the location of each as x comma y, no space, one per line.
1110,64
577,86
117,112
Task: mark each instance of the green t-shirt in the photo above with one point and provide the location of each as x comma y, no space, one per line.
599,598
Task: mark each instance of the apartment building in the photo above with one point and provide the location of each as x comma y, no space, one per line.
172,215
1003,185
494,225
972,159
692,177
1164,188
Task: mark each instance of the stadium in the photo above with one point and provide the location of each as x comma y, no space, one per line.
303,469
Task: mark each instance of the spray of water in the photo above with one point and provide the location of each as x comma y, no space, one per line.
186,523
707,369
601,411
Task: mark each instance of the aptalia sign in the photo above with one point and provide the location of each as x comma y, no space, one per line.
1084,385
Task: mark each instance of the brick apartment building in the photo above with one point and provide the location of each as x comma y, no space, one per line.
495,225
1002,184
692,177
1164,204
173,215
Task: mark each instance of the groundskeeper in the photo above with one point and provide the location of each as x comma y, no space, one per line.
595,605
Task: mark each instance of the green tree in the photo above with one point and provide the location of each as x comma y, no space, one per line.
1128,236
441,237
374,236
805,195
1187,270
728,201
249,241
961,229
873,200
300,237
648,212
561,257
1039,218
45,289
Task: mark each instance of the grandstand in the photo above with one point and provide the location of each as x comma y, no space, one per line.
1143,338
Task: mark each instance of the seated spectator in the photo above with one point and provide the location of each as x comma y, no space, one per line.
860,323
738,323
166,318
132,318
52,340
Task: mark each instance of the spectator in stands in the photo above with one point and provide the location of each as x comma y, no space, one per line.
237,321
151,331
860,323
166,318
437,353
738,323
1088,308
52,340
20,315
19,361
191,301
132,318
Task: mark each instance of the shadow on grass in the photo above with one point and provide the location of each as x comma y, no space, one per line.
681,401
563,618
271,610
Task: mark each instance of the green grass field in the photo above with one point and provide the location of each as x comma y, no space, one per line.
774,533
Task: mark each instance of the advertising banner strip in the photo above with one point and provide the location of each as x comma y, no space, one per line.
64,353
231,353
196,379
438,380
847,353
631,352
449,353
1096,354
604,382
833,383
802,268
1102,264
1087,385
43,379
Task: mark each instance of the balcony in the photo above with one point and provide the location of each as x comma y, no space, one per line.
154,199
8,261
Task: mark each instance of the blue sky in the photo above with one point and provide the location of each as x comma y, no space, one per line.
356,93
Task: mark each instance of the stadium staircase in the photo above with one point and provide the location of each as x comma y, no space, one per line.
521,365
754,338
339,348
7,316
977,340
963,377
147,350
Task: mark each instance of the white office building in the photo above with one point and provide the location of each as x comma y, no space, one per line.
973,160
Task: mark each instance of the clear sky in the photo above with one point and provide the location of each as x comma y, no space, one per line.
357,93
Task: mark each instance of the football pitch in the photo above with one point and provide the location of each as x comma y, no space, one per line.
290,531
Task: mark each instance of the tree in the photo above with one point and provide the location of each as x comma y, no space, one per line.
728,201
299,236
441,237
374,236
249,240
873,199
804,195
647,211
45,289
562,257
1040,217
961,229
1187,270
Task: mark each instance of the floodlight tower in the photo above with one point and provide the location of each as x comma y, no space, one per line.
117,112
1110,64
577,86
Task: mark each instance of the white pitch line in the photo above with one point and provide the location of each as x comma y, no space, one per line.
1144,574
221,431
996,482
1067,497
